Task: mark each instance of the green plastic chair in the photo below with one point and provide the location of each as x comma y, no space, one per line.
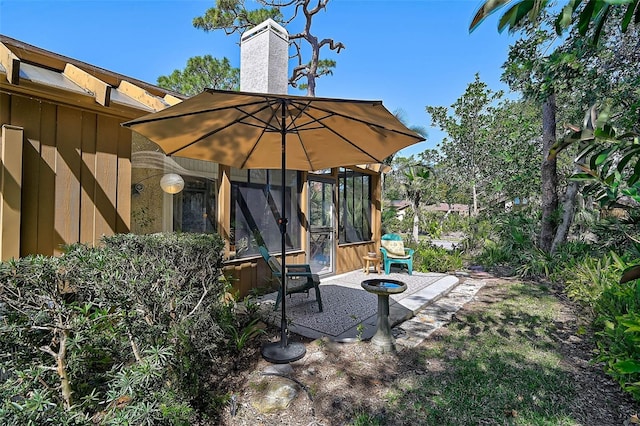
394,253
299,278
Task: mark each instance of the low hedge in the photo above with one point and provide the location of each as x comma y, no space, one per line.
120,333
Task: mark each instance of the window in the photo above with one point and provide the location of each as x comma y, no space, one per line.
256,201
354,206
194,208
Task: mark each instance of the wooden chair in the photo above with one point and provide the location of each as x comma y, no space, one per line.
299,278
394,252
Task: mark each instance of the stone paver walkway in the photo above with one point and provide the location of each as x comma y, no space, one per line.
435,315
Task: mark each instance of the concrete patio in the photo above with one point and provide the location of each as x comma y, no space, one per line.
350,312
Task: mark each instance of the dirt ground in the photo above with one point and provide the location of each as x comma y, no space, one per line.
335,381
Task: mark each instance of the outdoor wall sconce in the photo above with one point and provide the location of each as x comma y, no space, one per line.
171,183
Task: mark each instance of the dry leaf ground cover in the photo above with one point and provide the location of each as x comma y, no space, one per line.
518,354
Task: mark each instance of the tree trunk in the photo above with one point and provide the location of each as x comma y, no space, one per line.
313,64
475,199
61,361
416,225
60,358
548,175
569,210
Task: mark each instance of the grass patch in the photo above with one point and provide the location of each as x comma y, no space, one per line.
496,366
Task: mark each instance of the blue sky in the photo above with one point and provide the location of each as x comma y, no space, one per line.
407,53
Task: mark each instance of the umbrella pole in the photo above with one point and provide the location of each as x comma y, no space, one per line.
283,352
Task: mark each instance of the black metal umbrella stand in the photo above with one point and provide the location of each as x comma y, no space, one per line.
283,351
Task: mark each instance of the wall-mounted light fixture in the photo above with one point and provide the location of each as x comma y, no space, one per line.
171,183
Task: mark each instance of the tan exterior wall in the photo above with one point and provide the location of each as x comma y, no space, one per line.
350,256
254,273
10,191
76,174
76,187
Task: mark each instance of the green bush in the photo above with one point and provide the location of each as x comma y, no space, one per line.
454,222
390,223
431,258
127,332
615,307
478,230
507,240
618,335
588,278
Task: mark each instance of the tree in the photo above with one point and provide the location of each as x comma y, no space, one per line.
585,15
202,72
233,17
543,77
446,183
400,114
467,131
414,186
514,151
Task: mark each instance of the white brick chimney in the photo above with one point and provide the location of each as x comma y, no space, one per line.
264,58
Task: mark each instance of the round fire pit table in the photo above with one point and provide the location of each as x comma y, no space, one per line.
383,339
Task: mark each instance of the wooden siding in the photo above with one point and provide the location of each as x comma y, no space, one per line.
254,273
10,191
76,174
349,257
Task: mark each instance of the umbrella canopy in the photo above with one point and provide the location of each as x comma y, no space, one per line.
248,130
244,130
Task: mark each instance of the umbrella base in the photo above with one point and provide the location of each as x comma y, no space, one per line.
278,354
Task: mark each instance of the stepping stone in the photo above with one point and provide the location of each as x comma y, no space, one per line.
275,394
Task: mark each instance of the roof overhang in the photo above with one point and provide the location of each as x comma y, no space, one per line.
33,72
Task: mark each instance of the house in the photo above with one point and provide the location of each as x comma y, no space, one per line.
400,207
461,209
71,173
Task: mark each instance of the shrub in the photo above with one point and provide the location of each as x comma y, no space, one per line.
508,240
615,307
455,222
124,332
390,225
587,279
477,231
618,335
431,258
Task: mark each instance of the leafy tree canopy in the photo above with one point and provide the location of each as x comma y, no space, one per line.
581,14
202,72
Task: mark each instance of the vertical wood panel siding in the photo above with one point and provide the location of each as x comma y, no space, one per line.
5,108
11,191
123,189
87,177
107,172
68,165
46,173
349,258
26,113
76,174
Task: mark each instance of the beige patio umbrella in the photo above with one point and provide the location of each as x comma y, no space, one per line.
265,131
